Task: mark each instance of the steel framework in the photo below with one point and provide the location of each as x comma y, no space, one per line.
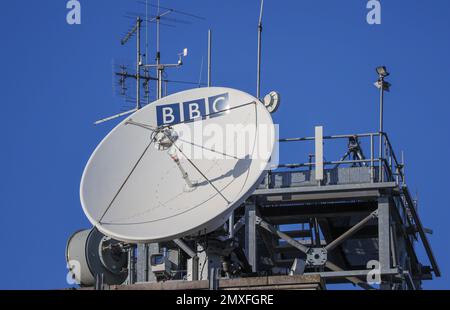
357,223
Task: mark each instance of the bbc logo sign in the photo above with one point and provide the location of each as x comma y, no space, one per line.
192,110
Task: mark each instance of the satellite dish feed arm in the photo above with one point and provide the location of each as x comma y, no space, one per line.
173,154
196,168
142,125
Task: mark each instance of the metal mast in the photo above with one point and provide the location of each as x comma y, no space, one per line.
260,28
158,57
138,63
161,67
209,56
123,74
383,86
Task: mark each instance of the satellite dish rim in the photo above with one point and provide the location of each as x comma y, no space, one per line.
213,222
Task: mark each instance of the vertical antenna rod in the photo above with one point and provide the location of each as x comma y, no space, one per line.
158,66
209,56
260,28
138,64
158,58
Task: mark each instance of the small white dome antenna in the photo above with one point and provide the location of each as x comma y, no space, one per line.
272,101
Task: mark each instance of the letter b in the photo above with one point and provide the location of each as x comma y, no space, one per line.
194,109
168,114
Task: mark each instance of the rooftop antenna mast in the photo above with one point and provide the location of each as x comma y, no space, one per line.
124,75
260,29
141,64
161,13
138,63
383,86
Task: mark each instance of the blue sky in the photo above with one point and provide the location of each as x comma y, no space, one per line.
320,55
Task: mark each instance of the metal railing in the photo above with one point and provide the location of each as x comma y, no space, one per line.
383,163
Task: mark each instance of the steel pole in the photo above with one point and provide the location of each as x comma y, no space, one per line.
209,56
138,64
381,82
258,75
158,60
160,86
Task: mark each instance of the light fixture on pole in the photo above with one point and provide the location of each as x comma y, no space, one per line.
382,71
383,86
181,55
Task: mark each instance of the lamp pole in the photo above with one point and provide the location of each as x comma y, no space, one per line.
382,85
381,104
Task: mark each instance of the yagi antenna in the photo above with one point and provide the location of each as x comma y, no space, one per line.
129,35
171,10
124,75
160,68
152,18
141,64
161,14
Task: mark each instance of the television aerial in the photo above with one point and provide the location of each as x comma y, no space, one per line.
149,181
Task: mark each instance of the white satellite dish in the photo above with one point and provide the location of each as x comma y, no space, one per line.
151,179
272,101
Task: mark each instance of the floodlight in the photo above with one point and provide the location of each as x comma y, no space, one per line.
184,53
382,71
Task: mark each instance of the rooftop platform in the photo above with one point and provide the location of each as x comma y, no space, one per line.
359,213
